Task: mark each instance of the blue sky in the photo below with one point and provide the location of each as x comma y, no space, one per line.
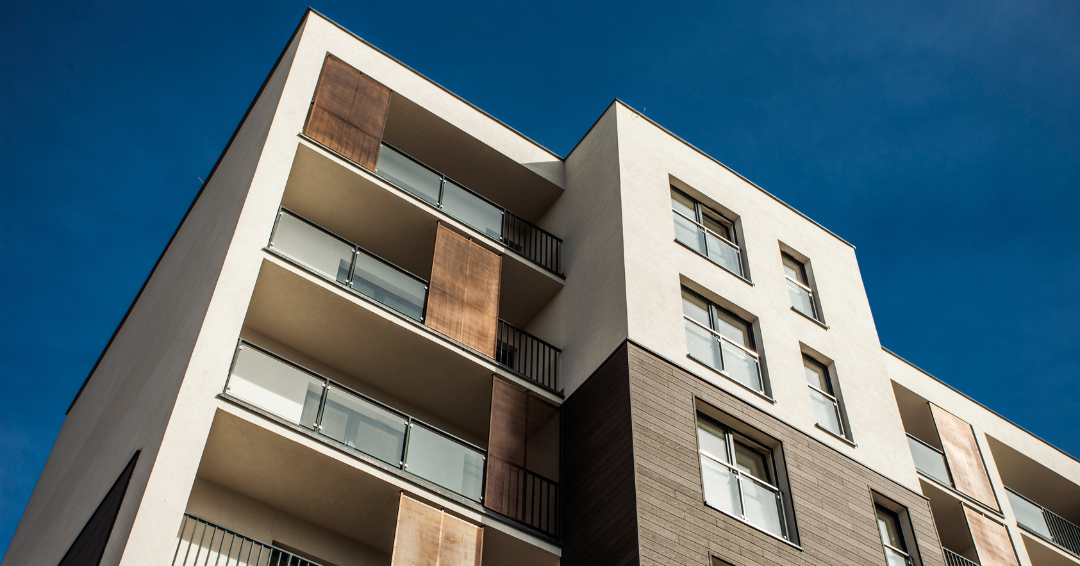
941,138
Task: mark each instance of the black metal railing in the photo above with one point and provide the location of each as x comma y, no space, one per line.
527,356
496,222
1044,523
954,559
202,543
274,385
524,496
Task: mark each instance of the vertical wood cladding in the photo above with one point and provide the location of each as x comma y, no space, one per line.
833,505
426,536
348,114
991,540
962,453
600,524
463,296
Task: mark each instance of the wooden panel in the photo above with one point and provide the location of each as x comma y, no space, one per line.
428,537
89,546
463,295
349,112
962,453
508,422
542,438
991,539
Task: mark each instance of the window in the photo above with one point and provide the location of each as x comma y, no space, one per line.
739,477
802,297
822,397
706,231
721,340
892,537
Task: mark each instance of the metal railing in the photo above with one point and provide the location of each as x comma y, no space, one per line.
954,559
527,356
930,461
348,264
802,298
733,491
436,189
526,497
725,356
202,543
282,388
716,248
826,411
896,557
1045,523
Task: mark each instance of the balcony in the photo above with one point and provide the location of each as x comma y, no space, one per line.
334,258
930,461
202,543
954,559
718,352
1044,523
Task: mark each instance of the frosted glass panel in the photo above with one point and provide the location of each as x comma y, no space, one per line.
929,461
313,247
389,286
275,387
472,210
741,366
1028,514
358,423
445,462
894,558
826,412
408,175
689,234
762,506
721,487
801,299
702,345
712,440
724,254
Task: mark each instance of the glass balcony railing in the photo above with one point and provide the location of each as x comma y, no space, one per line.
1045,523
896,557
717,248
743,495
349,264
202,543
802,298
954,559
281,388
488,218
930,461
826,411
716,351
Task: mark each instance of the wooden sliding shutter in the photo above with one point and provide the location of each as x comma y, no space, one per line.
962,453
523,458
463,296
991,540
427,536
348,114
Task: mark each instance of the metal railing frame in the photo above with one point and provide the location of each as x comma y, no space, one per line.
904,555
836,407
738,250
1064,534
723,368
944,459
553,521
776,491
290,558
954,559
535,359
810,292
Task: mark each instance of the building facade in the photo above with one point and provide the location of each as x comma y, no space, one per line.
392,330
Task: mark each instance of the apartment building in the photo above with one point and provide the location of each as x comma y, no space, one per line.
391,330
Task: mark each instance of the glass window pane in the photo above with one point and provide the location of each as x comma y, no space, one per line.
358,423
793,269
275,387
472,210
762,506
816,376
719,226
695,308
1029,515
683,205
388,285
889,528
723,254
702,345
721,485
313,247
741,366
732,328
689,234
929,461
752,462
826,413
801,299
712,440
409,175
445,462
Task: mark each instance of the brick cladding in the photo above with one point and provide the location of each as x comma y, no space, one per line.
831,493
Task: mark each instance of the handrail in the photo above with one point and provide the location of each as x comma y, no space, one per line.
528,356
725,338
234,553
831,398
527,500
925,444
799,283
1064,534
901,553
954,559
741,473
706,228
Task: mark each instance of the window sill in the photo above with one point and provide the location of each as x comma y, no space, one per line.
837,436
755,527
810,318
697,253
727,377
961,495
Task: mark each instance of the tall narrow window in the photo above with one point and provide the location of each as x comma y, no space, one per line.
892,537
706,231
823,397
721,340
739,477
802,297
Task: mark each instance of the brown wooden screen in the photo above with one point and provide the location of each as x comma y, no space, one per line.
348,114
962,453
427,536
463,295
991,540
523,458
